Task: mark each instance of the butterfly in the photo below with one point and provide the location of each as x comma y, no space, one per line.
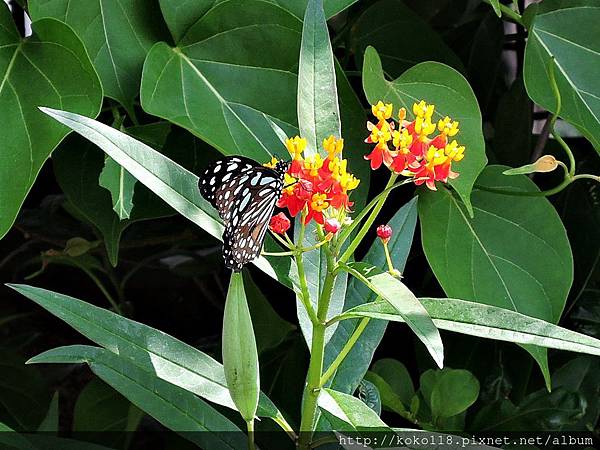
244,193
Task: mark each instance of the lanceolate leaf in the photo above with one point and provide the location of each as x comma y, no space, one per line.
30,76
174,407
240,357
318,108
318,118
177,186
491,322
452,96
349,412
117,35
404,301
569,40
513,254
150,349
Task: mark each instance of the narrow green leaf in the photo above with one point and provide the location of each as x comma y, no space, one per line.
318,118
451,94
491,322
351,413
496,6
157,352
175,185
389,399
12,439
240,357
120,184
174,407
514,253
318,109
569,40
404,302
50,67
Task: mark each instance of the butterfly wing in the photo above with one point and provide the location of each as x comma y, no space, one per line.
247,216
221,172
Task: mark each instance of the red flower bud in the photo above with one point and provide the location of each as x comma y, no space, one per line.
384,232
279,223
332,225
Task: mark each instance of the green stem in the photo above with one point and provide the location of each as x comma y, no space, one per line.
509,13
348,346
250,426
315,368
369,222
304,293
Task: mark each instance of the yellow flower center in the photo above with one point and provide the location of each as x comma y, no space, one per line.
319,202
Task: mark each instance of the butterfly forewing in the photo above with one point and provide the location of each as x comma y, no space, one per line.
245,200
220,172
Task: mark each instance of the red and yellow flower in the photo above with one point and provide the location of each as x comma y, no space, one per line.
316,185
414,150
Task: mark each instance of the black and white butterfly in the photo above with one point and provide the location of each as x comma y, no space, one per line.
244,193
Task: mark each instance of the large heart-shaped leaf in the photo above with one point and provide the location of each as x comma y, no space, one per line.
180,15
569,40
378,25
116,34
451,94
30,76
513,254
174,407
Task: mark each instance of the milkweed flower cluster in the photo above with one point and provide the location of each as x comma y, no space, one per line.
411,148
321,185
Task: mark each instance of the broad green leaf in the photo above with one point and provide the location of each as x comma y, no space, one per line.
180,15
154,351
50,422
77,166
174,407
175,185
513,254
397,377
197,84
354,366
452,96
240,357
454,391
389,399
116,34
270,329
350,412
52,68
383,20
491,322
120,184
567,41
318,108
404,302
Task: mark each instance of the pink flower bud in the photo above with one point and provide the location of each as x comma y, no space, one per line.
384,232
332,225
